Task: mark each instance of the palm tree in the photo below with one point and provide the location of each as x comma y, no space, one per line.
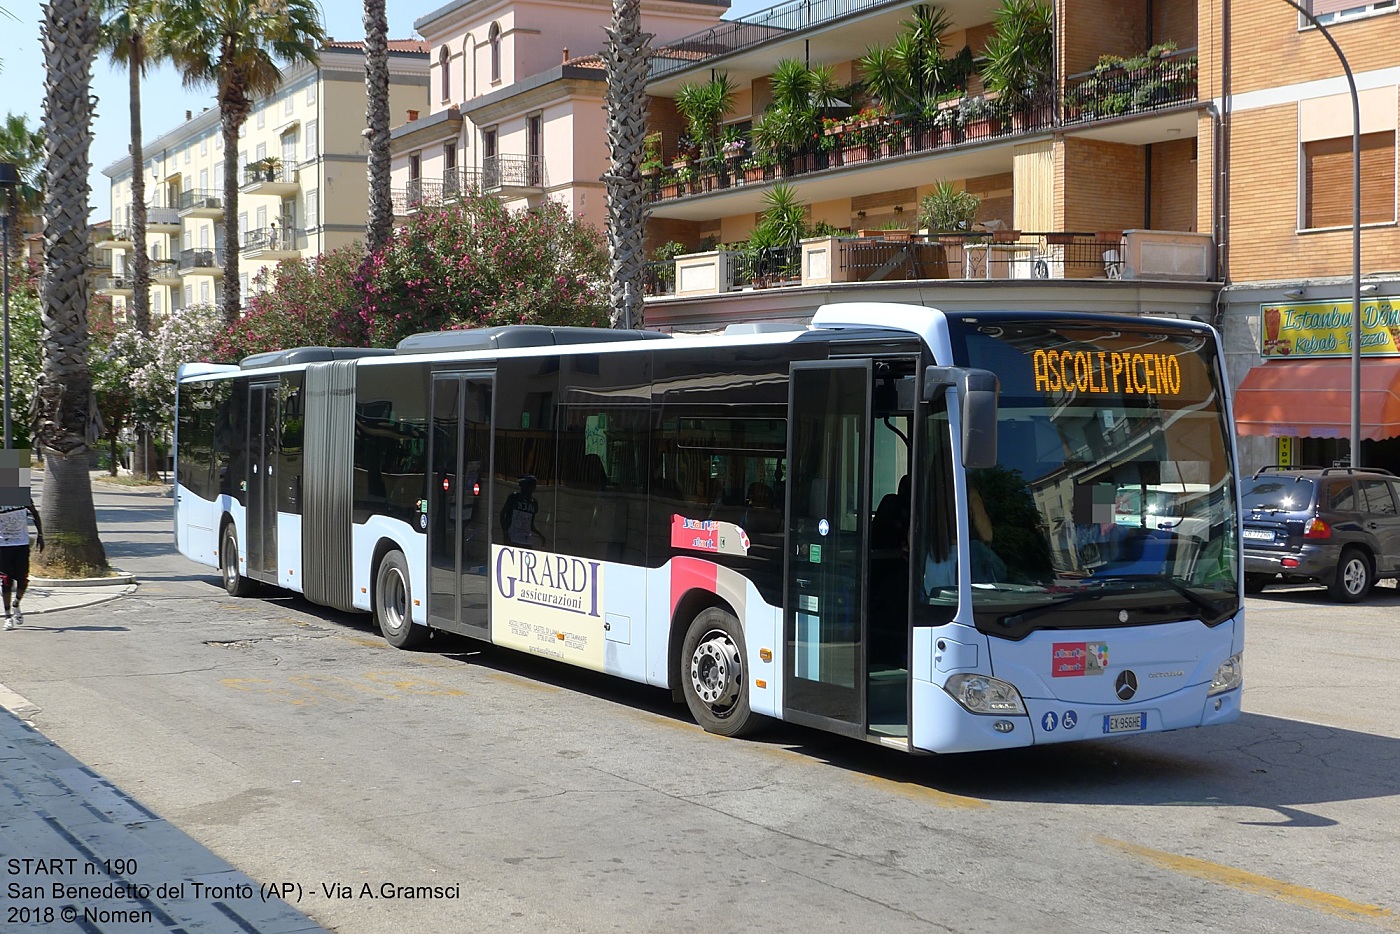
236,45
626,57
25,149
122,37
64,407
381,204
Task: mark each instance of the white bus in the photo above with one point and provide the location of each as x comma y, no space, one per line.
897,524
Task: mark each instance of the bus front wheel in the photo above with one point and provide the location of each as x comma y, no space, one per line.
234,582
712,675
393,604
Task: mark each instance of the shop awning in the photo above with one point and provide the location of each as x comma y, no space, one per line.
1312,399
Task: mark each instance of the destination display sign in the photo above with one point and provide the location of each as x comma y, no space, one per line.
1106,371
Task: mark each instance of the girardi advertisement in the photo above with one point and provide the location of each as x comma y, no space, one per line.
548,605
1323,329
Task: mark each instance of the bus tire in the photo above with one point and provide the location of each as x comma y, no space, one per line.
234,582
713,676
393,603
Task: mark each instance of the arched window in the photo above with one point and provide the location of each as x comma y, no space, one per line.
445,66
494,38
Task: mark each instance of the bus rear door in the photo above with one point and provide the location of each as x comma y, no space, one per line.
262,487
459,518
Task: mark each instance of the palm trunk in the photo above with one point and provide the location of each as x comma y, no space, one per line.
65,407
626,58
233,300
141,299
381,206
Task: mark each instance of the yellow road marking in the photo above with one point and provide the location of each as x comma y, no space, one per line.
522,682
1300,895
942,799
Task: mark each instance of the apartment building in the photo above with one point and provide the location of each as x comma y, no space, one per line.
1287,302
302,180
516,101
1193,160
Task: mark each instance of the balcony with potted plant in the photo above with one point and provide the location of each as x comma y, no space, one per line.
1159,78
268,176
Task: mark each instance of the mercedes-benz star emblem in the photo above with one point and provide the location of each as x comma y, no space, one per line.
1126,685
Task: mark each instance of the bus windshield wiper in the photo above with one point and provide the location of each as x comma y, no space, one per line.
1171,583
1092,592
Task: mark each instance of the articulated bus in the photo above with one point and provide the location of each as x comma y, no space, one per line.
917,528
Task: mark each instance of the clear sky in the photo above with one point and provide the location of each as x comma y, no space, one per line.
163,99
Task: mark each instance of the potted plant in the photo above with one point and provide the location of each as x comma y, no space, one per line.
703,106
981,117
668,185
1019,65
948,209
651,164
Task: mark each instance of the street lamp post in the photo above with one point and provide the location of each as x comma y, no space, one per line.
9,181
1355,236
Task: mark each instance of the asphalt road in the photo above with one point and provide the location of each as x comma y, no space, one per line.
294,743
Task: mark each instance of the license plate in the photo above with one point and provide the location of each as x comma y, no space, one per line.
1124,722
1259,535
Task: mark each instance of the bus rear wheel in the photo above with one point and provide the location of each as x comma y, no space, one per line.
234,582
713,679
393,602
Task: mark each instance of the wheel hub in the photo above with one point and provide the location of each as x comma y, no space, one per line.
715,670
1354,575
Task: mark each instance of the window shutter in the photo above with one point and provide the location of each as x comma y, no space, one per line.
1327,199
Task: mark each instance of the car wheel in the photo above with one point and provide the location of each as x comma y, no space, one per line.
393,604
1255,583
234,582
713,675
1352,579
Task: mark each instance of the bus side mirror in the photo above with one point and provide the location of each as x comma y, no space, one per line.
977,392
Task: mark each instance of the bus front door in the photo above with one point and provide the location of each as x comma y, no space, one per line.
459,540
827,534
261,531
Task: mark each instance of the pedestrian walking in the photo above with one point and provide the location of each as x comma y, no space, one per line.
16,509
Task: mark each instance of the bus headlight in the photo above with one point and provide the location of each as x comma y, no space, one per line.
1228,676
981,694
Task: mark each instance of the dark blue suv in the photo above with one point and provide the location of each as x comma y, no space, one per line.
1336,526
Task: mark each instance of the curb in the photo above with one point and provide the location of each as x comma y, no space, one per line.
59,583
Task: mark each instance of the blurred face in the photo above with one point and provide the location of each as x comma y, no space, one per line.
14,477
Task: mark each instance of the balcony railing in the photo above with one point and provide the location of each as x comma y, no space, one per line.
201,259
161,215
901,256
659,278
1136,86
730,36
201,198
769,267
121,283
120,233
1006,255
858,143
163,269
255,173
273,239
420,191
512,171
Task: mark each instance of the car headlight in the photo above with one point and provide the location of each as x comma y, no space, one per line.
1228,676
981,694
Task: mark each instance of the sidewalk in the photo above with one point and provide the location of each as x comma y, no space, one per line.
78,854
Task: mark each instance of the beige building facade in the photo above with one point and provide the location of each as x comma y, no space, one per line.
302,181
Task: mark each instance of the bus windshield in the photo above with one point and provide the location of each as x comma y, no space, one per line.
1113,501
